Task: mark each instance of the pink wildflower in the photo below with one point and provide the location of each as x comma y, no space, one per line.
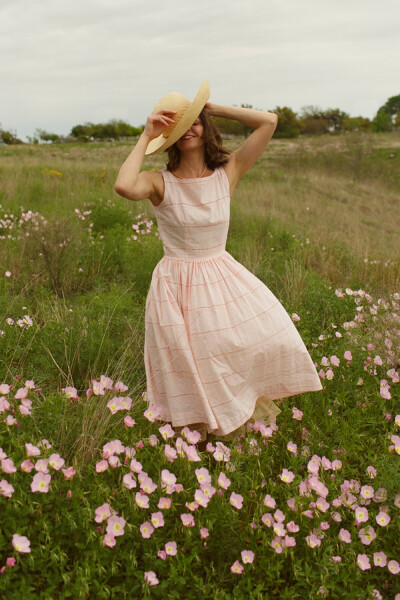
102,513
170,548
383,519
146,529
286,476
40,483
187,520
237,567
269,501
236,500
101,466
344,536
393,567
203,476
151,578
21,543
204,533
115,525
380,559
247,556
223,481
109,540
313,541
363,562
164,503
157,519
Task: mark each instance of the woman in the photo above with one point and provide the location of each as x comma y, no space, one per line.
219,347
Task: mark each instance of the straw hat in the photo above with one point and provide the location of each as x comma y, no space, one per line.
186,114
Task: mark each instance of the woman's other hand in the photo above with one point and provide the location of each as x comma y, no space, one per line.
158,122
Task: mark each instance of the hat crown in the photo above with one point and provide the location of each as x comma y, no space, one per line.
172,101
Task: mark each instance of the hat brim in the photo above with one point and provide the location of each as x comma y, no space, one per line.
161,143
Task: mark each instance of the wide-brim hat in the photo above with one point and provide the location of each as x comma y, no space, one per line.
186,114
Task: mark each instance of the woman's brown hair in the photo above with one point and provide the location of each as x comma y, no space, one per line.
215,154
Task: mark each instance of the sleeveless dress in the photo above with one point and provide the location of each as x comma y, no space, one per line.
219,347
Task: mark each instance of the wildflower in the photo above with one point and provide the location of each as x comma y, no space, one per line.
204,533
222,452
148,486
313,541
170,548
380,559
208,490
129,421
102,513
322,504
164,503
157,519
203,476
69,473
8,466
223,481
367,492
367,535
363,562
151,578
361,515
393,567
6,489
162,554
247,556
277,545
279,516
383,519
109,540
335,559
292,527
142,500
32,450
187,520
267,519
344,536
21,543
146,529
192,436
336,465
40,483
297,414
237,567
152,413
101,466
191,452
295,317
292,447
347,355
286,476
41,465
170,453
166,431
115,525
236,500
269,501
279,529
397,500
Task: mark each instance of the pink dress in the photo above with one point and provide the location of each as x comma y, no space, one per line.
218,343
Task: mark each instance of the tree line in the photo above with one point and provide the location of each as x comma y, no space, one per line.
310,120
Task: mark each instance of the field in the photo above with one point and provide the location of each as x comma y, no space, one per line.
306,509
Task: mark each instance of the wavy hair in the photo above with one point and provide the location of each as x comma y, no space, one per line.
215,155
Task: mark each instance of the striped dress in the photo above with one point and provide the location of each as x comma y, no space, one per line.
219,346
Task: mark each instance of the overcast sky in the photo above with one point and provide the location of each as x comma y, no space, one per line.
67,62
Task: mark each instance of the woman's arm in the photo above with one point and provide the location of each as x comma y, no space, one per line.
264,124
130,182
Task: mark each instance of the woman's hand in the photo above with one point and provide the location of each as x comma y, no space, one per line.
158,122
210,107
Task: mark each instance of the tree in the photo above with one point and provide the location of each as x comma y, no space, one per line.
45,136
382,121
392,107
289,125
9,137
313,120
356,124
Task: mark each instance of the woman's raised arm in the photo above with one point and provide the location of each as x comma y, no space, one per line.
130,182
264,124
